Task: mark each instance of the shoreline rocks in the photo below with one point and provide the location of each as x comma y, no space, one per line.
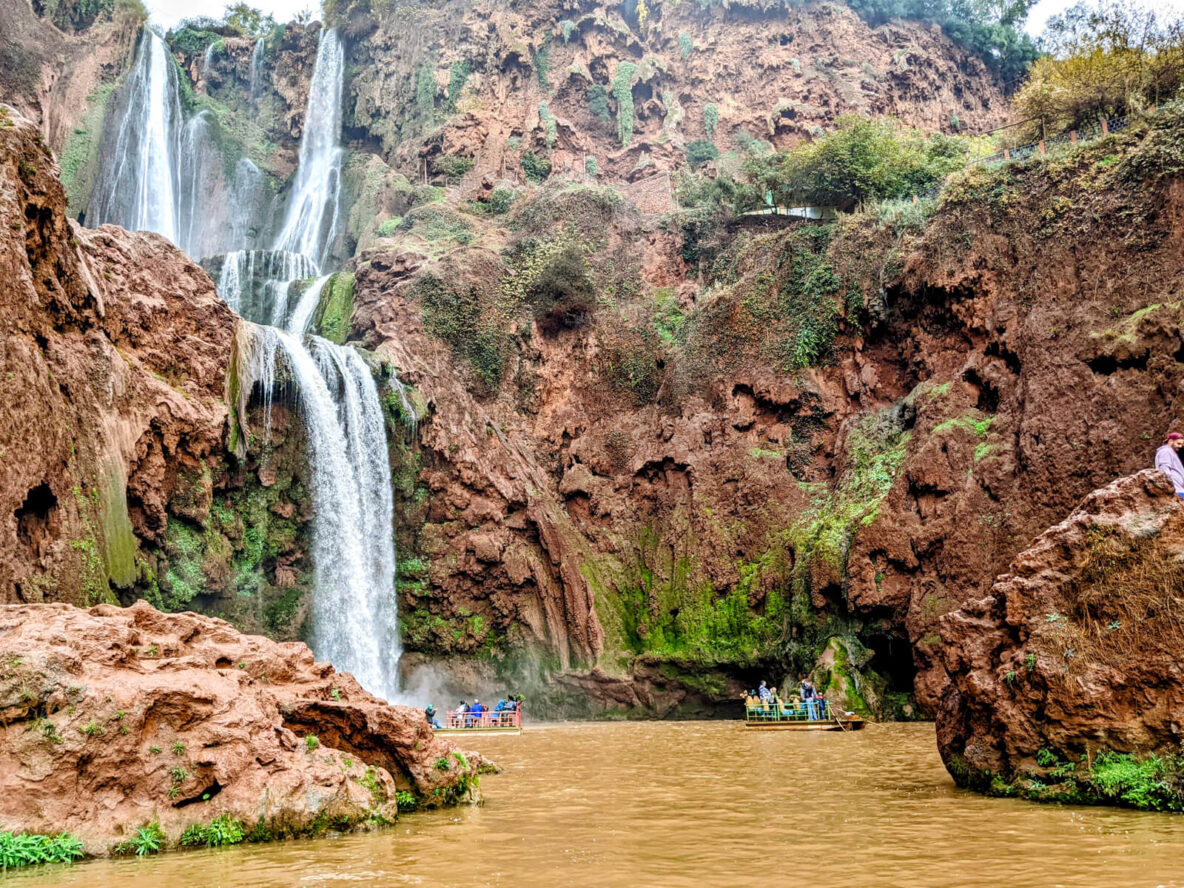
115,719
1066,682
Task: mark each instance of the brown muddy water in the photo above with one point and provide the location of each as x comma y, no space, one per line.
672,804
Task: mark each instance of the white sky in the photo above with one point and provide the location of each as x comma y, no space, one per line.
169,12
1045,9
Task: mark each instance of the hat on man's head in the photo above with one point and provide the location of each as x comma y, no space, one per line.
1175,436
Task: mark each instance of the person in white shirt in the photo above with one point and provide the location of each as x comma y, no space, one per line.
1167,460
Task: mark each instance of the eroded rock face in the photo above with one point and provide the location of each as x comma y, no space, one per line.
114,718
1077,650
115,348
495,73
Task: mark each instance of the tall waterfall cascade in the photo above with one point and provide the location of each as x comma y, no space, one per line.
314,203
159,179
138,184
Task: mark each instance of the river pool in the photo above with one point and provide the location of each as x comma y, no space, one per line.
672,804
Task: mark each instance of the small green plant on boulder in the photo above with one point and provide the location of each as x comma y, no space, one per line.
407,801
148,839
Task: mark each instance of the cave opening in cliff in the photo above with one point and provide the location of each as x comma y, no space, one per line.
892,658
37,516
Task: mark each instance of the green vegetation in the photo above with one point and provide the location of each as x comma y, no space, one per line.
456,313
861,160
685,45
623,93
1148,782
452,166
25,849
550,125
407,801
542,62
710,119
458,75
193,35
148,839
1103,61
312,742
567,26
557,287
598,102
222,830
332,317
535,168
990,31
700,152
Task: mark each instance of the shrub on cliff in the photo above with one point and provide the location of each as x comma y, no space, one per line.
860,160
1103,62
561,294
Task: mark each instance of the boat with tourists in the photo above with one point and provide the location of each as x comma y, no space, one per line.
505,718
815,715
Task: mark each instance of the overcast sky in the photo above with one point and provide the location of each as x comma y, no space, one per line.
169,12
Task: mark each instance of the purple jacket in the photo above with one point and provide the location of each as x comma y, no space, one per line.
1168,462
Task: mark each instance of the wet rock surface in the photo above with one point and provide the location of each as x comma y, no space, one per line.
117,718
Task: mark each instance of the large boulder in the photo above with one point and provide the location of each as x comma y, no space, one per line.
112,719
1066,681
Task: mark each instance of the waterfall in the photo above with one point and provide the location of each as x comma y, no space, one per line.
303,312
310,226
166,175
206,58
255,80
354,610
246,198
255,283
138,181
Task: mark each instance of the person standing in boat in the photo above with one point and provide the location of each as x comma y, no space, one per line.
1167,460
808,695
763,692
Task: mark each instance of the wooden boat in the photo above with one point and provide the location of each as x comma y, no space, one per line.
487,722
790,717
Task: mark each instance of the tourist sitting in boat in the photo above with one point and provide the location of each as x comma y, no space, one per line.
463,708
430,712
476,711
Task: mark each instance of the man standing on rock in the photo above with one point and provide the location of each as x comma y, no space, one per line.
1167,460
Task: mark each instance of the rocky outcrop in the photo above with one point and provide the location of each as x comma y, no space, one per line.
114,361
118,481
1072,663
114,719
488,81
